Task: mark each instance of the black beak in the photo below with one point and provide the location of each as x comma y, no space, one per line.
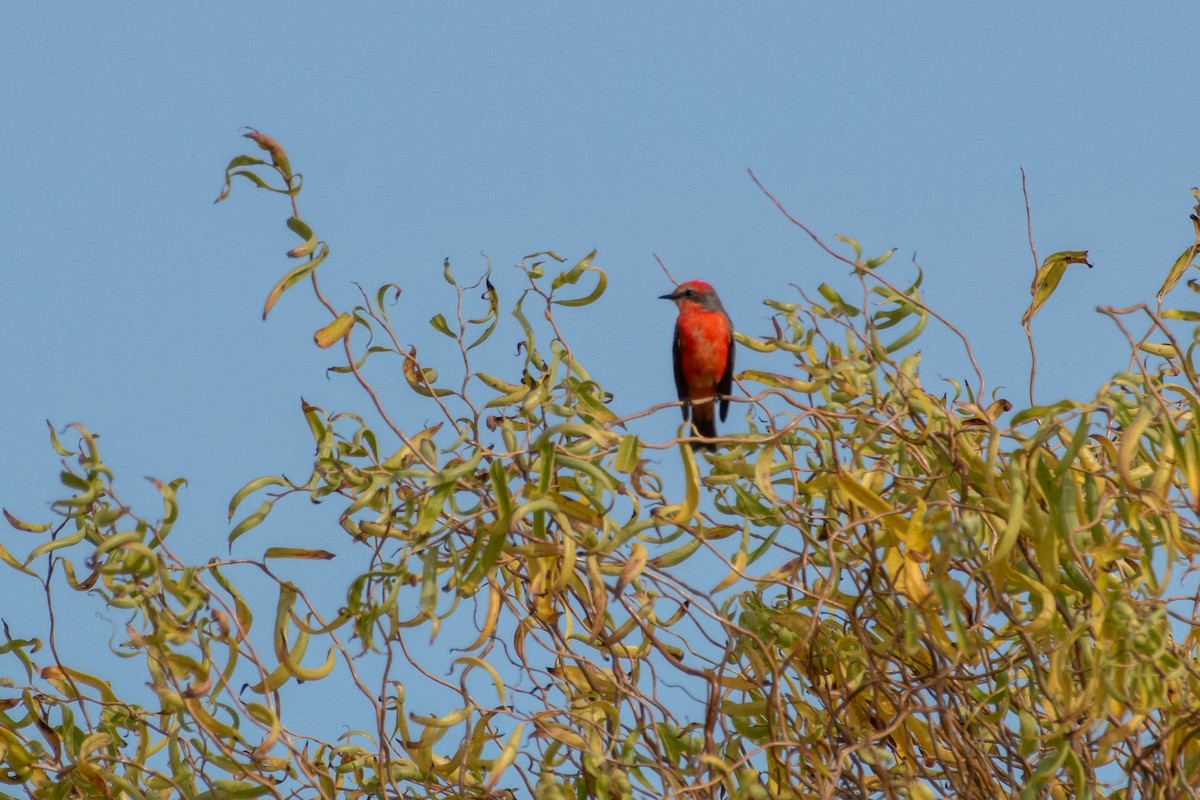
670,296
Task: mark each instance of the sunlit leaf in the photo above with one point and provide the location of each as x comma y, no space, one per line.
301,553
28,527
1048,277
335,331
1157,349
573,275
302,229
1186,259
292,278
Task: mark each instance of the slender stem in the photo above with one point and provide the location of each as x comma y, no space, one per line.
1032,288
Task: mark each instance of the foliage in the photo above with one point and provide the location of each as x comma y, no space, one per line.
873,590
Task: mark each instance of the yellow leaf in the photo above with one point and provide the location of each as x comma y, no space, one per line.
738,571
587,680
335,331
777,381
1130,442
632,570
861,495
1161,350
691,476
762,471
506,757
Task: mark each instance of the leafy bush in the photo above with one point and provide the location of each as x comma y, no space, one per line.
872,589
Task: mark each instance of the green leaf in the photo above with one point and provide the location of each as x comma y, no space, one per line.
493,314
252,487
429,592
292,278
628,453
232,169
498,534
879,260
28,527
779,381
835,299
301,553
573,275
251,521
58,448
1186,259
421,379
440,325
301,229
55,544
549,253
854,245
1047,278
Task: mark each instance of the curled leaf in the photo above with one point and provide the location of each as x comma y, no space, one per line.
573,275
421,379
335,331
1047,278
305,232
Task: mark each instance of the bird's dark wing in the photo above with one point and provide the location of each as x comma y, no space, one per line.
680,384
725,387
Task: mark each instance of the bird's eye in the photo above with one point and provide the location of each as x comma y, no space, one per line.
689,293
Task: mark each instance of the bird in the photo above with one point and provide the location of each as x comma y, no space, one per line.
703,356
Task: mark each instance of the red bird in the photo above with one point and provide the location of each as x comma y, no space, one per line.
703,355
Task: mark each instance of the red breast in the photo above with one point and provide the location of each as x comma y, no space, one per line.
704,338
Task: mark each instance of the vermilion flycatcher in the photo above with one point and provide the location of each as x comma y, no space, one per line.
703,354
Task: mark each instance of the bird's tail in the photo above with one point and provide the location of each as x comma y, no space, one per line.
702,419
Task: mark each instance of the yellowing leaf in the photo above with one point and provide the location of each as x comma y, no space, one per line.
299,553
691,476
1047,278
736,573
28,527
506,757
628,454
1161,350
1130,443
334,331
872,503
632,570
777,381
289,280
1185,260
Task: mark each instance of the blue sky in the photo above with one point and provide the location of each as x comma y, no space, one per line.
132,304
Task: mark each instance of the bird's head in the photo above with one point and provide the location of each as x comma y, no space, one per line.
695,294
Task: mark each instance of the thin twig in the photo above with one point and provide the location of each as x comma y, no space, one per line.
670,277
1032,288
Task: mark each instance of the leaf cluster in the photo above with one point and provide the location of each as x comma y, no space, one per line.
874,589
